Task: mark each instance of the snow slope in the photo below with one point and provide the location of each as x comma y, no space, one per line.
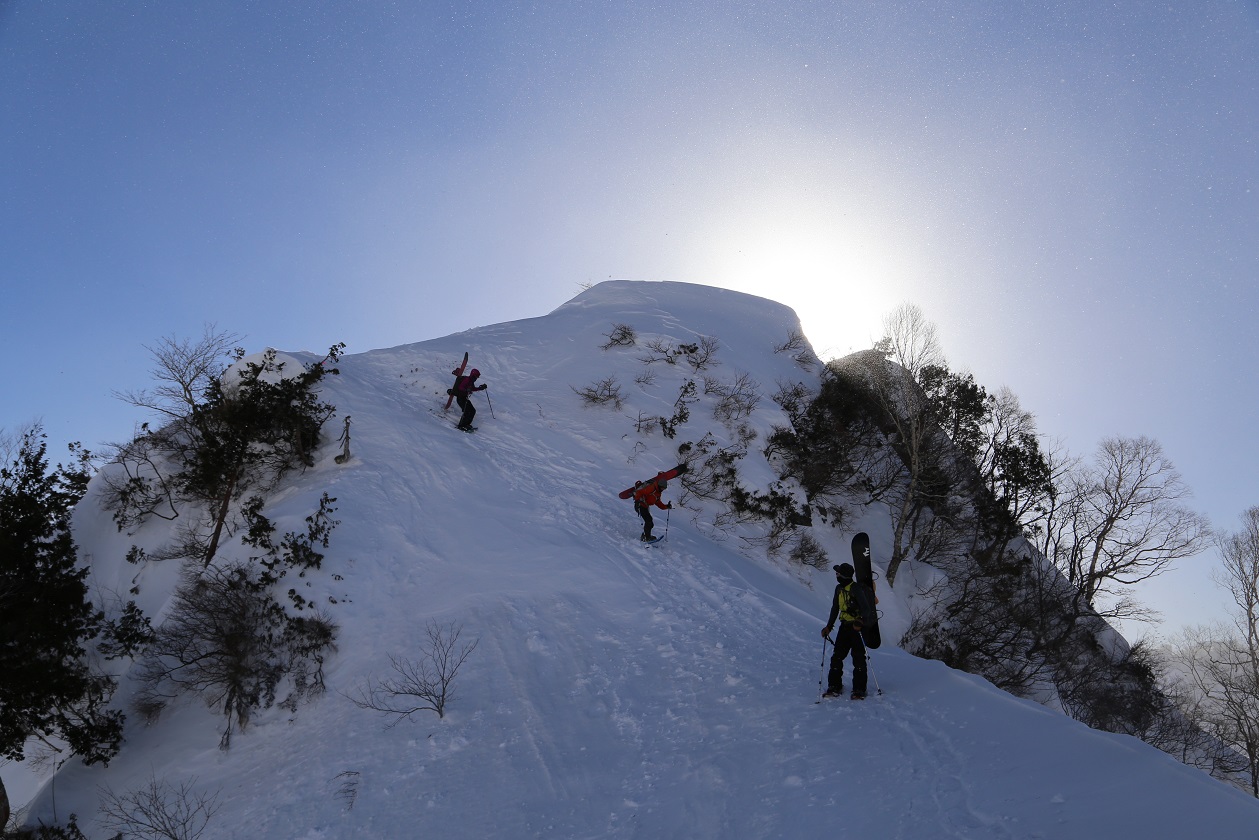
617,690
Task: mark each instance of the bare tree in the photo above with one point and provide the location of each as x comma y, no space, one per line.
139,483
799,348
11,442
1240,575
909,347
1222,670
702,354
1183,729
1177,728
622,335
159,811
419,686
660,350
910,340
734,400
1121,521
646,378
603,392
183,369
1223,663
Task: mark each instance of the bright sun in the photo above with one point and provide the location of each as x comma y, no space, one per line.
836,279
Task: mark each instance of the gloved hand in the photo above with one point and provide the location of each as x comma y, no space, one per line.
856,625
826,632
669,506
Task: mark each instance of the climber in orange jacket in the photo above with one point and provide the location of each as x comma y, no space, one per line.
646,495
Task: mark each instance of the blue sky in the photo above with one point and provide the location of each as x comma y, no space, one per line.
1069,190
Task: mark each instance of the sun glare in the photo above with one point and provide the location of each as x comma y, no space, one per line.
837,283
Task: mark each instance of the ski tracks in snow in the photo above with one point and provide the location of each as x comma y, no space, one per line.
905,775
945,798
679,659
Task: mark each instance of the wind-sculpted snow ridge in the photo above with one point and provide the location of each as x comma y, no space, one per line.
615,690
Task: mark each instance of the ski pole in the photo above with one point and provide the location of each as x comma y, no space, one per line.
877,688
667,514
822,676
490,401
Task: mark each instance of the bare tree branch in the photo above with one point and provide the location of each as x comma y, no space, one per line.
183,368
159,811
418,686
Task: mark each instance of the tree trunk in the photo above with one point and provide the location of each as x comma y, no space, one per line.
224,507
4,806
898,542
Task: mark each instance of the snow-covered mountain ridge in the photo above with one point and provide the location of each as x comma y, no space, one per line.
616,690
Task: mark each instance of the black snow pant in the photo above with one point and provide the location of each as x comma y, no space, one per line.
645,512
469,411
848,640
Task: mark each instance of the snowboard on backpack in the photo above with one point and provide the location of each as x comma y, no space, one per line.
666,475
864,590
458,372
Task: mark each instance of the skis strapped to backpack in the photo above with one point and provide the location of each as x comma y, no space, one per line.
458,372
864,590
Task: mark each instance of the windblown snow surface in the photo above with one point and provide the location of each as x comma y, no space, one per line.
616,689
